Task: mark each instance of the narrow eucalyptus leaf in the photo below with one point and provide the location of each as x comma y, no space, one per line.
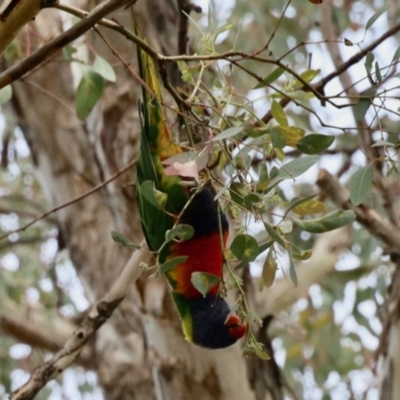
372,20
269,269
124,241
88,93
279,114
229,133
329,222
272,77
155,197
5,94
170,264
292,270
360,183
314,143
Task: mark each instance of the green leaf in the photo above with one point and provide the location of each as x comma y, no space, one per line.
383,143
274,235
292,269
255,132
372,20
187,73
272,77
396,55
103,68
279,114
170,264
292,134
295,168
203,281
152,195
218,84
307,76
238,192
262,354
181,232
360,183
300,254
263,178
329,222
348,42
369,59
362,107
310,74
242,163
314,143
286,227
5,94
269,269
378,72
265,246
88,93
309,207
223,28
228,133
68,52
295,202
124,241
245,248
251,199
277,139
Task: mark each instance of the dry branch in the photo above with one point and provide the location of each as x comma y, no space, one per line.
94,320
42,336
55,45
320,86
13,16
388,233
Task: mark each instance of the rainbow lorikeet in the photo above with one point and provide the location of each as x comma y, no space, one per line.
207,320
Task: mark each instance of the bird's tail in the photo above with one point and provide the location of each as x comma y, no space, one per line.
154,119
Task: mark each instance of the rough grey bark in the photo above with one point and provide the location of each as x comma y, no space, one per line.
388,352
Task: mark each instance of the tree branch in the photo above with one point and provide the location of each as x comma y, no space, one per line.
320,86
42,337
372,221
93,321
385,190
79,198
14,15
55,45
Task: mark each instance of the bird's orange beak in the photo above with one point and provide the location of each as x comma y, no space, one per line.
236,327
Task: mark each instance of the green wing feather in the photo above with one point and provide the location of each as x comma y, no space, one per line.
156,146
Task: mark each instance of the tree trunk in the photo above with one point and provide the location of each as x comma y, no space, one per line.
388,352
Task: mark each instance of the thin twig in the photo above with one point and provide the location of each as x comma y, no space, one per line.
320,86
93,321
79,198
37,337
